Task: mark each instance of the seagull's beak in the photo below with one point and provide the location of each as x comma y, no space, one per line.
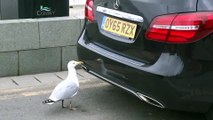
79,62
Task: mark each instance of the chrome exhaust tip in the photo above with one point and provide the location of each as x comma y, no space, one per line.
150,100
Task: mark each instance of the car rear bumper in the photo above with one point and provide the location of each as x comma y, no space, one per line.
155,86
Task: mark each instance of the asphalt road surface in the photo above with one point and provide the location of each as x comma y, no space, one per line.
96,100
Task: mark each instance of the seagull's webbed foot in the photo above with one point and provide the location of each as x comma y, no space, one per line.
72,108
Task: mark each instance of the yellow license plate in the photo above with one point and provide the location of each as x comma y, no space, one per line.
119,27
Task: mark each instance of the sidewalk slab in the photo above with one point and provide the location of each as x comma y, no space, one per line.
36,80
26,81
62,75
6,83
48,78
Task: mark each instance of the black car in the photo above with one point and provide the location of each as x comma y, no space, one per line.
159,50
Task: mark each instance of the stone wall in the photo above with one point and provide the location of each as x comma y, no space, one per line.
31,46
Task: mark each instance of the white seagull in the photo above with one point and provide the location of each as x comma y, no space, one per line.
67,88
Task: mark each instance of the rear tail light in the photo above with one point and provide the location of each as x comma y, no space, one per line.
89,10
181,28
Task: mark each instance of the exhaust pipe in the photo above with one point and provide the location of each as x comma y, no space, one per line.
141,96
150,100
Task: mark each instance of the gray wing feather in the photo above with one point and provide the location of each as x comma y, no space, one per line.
64,90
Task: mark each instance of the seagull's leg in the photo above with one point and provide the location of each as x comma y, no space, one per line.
70,105
62,103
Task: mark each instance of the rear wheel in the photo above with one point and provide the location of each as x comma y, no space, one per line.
209,114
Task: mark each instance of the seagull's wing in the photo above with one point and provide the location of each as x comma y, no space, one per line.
64,90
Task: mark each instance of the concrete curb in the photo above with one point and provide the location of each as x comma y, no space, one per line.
12,84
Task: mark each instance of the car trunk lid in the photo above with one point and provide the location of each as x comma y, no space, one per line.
120,26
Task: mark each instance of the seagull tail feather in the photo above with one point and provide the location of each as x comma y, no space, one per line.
48,101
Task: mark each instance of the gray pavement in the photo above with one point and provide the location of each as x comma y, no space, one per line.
21,97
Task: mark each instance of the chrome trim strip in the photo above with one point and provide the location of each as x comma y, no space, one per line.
120,14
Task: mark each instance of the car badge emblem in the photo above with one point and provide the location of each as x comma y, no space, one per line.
116,4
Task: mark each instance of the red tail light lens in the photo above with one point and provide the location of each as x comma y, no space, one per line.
181,28
89,10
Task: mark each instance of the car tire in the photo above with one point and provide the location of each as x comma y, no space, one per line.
209,114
